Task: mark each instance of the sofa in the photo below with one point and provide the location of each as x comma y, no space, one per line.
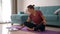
48,12
51,18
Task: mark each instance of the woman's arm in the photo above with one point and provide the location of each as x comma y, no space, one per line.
44,20
28,20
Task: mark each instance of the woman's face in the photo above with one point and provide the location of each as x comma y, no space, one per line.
29,10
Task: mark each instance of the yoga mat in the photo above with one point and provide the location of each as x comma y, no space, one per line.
44,32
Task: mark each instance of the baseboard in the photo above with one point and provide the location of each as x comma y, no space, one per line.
53,26
4,22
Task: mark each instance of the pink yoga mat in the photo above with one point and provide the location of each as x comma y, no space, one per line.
44,32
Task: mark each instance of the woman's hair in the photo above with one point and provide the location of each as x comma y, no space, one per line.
31,6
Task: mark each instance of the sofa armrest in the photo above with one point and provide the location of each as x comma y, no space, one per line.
21,18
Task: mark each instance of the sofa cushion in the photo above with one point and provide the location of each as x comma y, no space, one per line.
51,17
49,10
43,10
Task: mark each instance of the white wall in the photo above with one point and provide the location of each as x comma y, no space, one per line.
22,4
19,5
41,3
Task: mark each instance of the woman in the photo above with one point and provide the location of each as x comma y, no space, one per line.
37,17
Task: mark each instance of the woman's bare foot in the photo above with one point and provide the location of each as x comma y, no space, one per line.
21,26
30,28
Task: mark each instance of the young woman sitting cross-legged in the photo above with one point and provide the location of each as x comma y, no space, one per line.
37,17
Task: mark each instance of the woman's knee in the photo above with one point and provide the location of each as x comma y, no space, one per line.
42,28
26,23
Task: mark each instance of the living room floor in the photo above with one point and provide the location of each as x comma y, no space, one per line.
4,30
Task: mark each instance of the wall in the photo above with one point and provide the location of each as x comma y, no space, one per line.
41,3
19,5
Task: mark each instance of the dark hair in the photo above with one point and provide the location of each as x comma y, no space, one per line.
31,6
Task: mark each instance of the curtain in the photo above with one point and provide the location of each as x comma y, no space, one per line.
5,12
0,10
14,6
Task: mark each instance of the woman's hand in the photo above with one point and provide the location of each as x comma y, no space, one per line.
28,20
44,22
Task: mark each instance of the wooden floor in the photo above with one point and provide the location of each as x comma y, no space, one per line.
4,30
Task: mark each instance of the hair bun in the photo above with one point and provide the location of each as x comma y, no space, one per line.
33,5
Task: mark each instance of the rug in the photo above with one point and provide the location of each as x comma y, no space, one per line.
44,32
